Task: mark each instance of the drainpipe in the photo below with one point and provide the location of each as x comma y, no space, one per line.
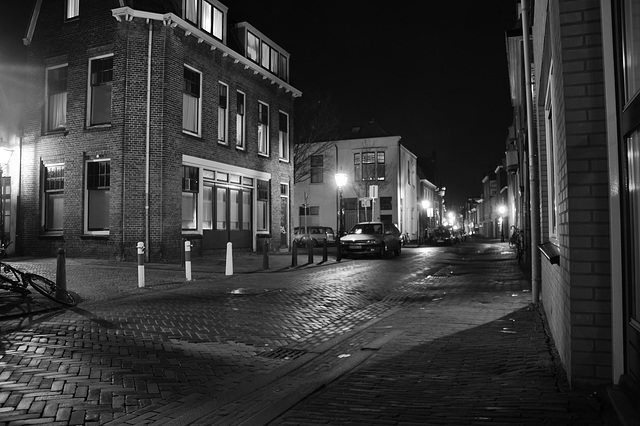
146,170
533,162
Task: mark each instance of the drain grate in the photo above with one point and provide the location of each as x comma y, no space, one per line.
283,353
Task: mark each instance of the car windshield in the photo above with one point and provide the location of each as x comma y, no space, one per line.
367,229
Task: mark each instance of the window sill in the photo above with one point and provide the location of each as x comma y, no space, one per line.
94,236
97,127
262,154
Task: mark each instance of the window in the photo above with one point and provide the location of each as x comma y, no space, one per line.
369,165
307,210
240,120
190,185
283,69
631,48
263,129
73,9
385,203
53,197
317,169
211,19
223,107
100,87
266,55
283,136
253,47
191,10
262,209
191,105
56,105
551,167
98,196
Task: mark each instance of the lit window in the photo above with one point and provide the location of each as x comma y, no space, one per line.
283,136
56,106
53,197
240,119
98,193
190,198
73,8
373,165
266,55
223,107
551,167
191,106
191,10
211,19
263,129
100,87
283,69
253,46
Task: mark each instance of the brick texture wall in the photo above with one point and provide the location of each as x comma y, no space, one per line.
576,293
124,142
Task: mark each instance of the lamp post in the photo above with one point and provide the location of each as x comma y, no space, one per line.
502,210
425,207
341,181
5,157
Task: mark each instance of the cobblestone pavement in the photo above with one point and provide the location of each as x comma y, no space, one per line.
410,343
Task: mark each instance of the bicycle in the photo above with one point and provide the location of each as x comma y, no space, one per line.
13,279
517,241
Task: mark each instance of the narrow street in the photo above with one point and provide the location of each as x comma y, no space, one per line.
434,336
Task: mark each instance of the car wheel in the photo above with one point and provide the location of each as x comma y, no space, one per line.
397,252
314,243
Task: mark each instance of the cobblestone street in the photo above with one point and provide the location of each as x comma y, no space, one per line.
434,337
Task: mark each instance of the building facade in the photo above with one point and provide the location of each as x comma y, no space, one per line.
153,122
581,144
382,185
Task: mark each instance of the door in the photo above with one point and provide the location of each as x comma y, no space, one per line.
226,217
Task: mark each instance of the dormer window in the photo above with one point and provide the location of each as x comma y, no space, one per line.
208,15
263,51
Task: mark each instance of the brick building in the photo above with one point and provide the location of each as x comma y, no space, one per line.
154,122
578,140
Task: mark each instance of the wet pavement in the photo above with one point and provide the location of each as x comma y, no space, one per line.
287,345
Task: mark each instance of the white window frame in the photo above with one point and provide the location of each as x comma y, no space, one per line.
87,207
263,130
48,126
241,121
72,9
90,94
550,140
199,106
283,138
198,199
223,115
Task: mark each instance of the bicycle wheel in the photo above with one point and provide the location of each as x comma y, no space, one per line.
49,289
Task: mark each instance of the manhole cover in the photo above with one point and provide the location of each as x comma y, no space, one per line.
283,353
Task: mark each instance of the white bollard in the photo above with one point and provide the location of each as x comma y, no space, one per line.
229,267
140,248
187,259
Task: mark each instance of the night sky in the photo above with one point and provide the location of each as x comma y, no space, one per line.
436,77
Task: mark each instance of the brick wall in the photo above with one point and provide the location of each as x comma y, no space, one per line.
576,294
124,141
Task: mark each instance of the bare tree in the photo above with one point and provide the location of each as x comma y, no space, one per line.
317,129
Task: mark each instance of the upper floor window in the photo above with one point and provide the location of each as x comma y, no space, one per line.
208,15
240,120
56,104
100,88
73,9
369,165
191,105
223,107
317,169
265,53
253,46
283,135
263,129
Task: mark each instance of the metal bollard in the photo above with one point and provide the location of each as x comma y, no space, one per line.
294,254
228,270
265,255
324,250
140,248
187,259
310,252
61,272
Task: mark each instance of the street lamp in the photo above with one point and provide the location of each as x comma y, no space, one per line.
502,210
341,181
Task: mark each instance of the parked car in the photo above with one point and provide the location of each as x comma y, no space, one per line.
376,238
315,234
442,236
